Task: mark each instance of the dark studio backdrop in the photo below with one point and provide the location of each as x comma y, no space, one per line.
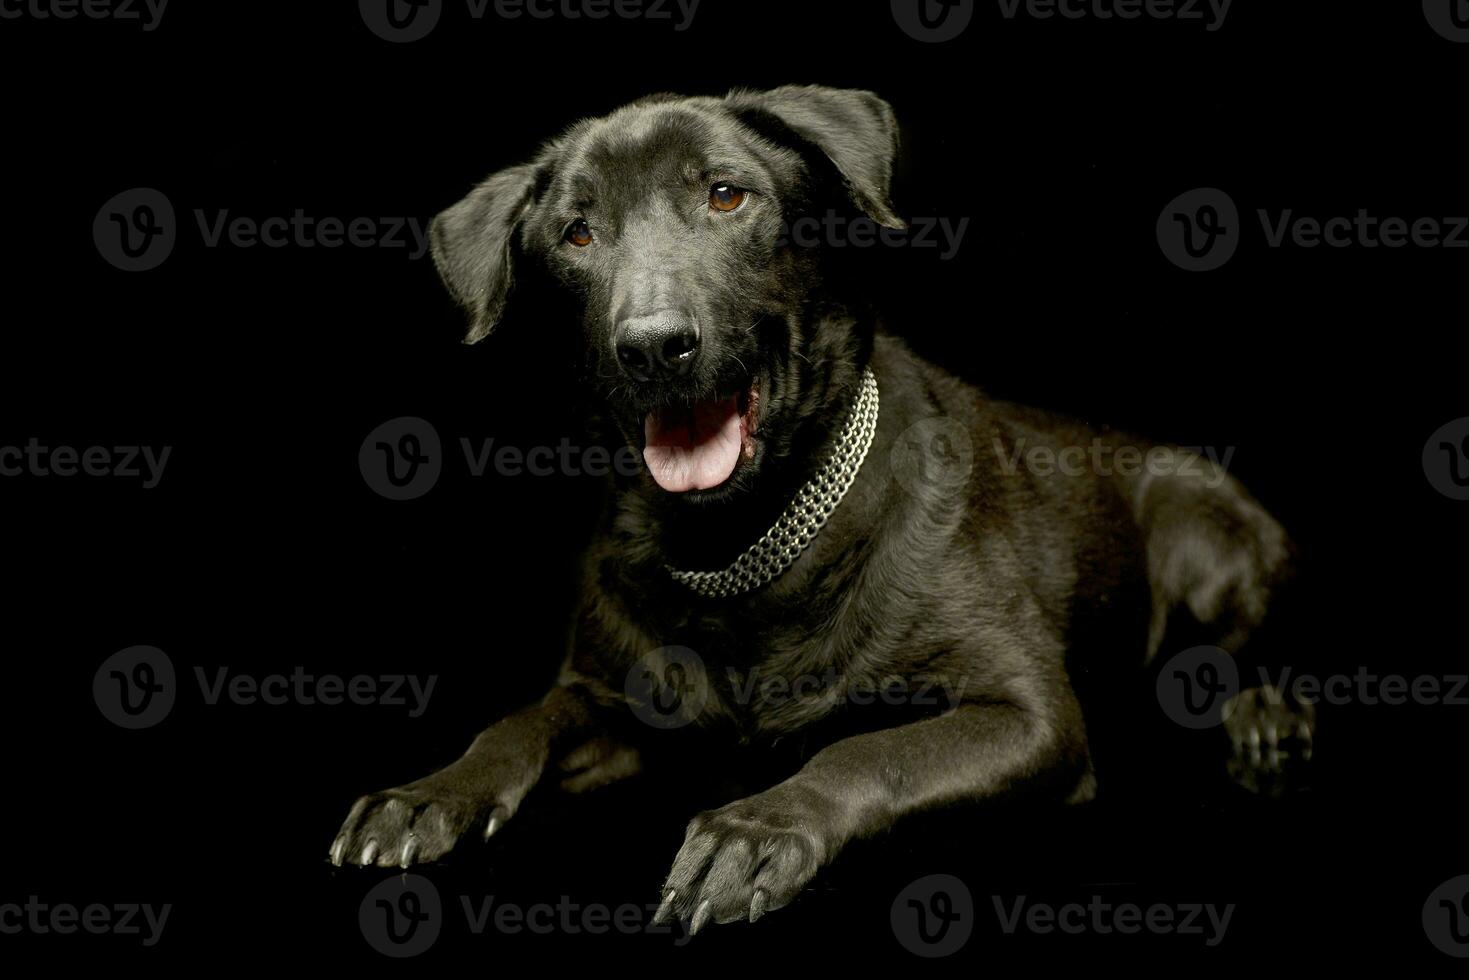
263,550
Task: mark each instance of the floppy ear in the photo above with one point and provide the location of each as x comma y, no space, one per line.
855,129
471,244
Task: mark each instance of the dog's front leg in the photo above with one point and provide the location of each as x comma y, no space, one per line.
755,854
423,820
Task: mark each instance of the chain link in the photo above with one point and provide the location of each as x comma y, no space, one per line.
779,547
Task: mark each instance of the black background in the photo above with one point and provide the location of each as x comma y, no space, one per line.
263,549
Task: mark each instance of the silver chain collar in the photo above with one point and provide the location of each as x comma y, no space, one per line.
807,514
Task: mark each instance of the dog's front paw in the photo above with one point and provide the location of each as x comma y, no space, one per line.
1273,736
747,858
404,826
422,821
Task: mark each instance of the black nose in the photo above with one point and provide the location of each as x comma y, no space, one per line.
659,345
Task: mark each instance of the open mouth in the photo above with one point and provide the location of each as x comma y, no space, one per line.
698,446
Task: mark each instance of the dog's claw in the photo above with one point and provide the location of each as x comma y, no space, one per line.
498,816
410,851
1272,738
757,904
701,916
338,846
666,909
369,854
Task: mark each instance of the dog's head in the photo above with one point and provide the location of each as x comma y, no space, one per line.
710,328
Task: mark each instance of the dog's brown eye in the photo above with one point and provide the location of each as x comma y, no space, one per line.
726,197
579,233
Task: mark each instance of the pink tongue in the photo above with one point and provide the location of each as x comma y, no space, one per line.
693,449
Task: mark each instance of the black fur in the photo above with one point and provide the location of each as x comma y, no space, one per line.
983,591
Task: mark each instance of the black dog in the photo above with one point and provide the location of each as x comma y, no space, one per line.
877,547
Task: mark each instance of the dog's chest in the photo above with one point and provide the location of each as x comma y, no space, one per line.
763,681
